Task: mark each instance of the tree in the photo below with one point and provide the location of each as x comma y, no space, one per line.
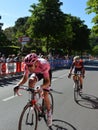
3,40
47,20
81,35
95,50
92,7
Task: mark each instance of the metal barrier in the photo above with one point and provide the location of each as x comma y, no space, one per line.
18,67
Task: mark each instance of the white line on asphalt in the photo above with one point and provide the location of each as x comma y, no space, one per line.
11,97
6,99
59,77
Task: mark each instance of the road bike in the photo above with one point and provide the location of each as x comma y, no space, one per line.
77,86
35,110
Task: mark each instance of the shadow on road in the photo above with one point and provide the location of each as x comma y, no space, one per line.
88,101
62,125
9,80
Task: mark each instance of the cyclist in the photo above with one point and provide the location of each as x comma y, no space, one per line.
36,69
78,67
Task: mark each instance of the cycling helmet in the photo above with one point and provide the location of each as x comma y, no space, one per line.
76,58
30,58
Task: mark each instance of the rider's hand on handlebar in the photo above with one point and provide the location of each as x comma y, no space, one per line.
16,88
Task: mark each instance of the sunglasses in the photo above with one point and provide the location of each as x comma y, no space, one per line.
29,65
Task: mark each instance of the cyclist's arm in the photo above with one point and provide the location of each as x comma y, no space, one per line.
71,68
23,80
83,69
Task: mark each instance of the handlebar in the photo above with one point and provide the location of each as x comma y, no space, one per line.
33,90
36,89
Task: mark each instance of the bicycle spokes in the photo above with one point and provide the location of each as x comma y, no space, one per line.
29,121
30,117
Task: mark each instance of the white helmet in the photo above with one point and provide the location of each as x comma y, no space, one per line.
76,58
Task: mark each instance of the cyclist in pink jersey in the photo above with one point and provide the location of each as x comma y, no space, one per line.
36,69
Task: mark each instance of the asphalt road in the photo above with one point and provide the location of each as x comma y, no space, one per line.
82,115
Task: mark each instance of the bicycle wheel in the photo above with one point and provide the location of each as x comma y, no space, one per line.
28,119
76,91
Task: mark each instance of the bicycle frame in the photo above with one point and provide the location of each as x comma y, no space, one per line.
76,86
38,109
77,79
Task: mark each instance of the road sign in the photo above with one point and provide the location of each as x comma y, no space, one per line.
24,39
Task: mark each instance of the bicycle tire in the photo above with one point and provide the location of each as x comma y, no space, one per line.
76,91
28,118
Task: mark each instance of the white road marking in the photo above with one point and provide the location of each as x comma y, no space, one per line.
11,97
6,99
59,77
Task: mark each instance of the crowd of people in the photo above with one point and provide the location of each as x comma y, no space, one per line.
10,58
19,58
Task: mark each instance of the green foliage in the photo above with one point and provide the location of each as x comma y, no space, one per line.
3,40
9,50
92,7
49,28
80,42
95,50
47,20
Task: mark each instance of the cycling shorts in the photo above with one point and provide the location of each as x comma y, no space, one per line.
78,70
40,76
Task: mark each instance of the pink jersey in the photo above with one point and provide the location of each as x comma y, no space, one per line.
43,67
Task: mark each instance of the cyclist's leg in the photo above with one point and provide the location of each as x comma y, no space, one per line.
32,80
48,103
79,71
74,77
81,80
46,94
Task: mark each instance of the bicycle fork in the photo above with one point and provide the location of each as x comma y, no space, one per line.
29,117
30,113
